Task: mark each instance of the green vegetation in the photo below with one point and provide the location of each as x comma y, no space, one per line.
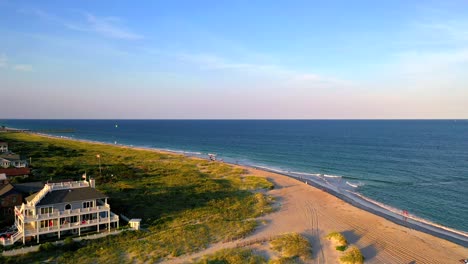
341,248
291,247
352,256
186,204
48,246
284,260
339,239
233,256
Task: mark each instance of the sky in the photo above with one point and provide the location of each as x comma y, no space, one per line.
234,59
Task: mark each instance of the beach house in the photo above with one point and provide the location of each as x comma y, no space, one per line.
11,173
3,147
4,163
62,208
10,159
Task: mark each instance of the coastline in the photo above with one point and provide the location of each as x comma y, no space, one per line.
352,198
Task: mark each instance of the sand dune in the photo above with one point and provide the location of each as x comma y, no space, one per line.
314,213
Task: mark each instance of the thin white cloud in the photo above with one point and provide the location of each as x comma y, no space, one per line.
449,30
105,26
3,61
287,76
23,67
5,64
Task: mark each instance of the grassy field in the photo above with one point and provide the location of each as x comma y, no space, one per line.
186,204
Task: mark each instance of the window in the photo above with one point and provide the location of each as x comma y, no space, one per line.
88,204
48,223
47,210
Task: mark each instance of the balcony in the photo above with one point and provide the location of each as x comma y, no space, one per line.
31,231
59,214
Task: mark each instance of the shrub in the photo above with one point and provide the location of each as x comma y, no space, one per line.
292,245
70,245
233,256
352,256
339,239
341,248
284,260
47,247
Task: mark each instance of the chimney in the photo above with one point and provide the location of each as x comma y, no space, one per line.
92,183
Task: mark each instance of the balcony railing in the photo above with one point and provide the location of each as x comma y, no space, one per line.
67,226
11,240
48,187
66,213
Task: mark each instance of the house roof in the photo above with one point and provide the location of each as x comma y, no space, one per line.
5,188
10,156
29,187
15,171
69,195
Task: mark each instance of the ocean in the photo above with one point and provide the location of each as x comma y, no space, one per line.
420,166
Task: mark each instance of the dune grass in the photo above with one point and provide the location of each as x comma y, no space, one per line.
291,247
352,256
233,256
186,204
340,241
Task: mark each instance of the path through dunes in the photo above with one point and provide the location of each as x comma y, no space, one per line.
315,213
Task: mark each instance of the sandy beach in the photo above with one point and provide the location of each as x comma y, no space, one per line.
315,213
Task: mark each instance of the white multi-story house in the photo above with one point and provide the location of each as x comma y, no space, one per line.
61,208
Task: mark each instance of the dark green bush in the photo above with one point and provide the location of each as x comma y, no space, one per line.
341,248
47,247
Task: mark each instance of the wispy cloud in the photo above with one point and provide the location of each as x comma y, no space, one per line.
449,31
3,61
105,26
214,62
289,77
108,26
5,64
23,67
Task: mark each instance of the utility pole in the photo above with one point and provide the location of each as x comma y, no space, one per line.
99,159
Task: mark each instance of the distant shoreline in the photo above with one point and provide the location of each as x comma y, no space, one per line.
450,234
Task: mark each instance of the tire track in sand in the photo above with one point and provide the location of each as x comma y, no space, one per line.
313,221
391,252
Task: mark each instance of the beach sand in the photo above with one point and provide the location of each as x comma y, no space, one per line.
315,213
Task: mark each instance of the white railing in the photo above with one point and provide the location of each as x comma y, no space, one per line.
39,195
68,185
68,226
48,187
79,211
10,241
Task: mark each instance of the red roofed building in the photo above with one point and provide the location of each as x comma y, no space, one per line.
15,172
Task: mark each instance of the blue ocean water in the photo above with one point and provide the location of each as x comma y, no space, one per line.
415,165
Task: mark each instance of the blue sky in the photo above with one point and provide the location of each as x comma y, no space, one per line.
234,59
